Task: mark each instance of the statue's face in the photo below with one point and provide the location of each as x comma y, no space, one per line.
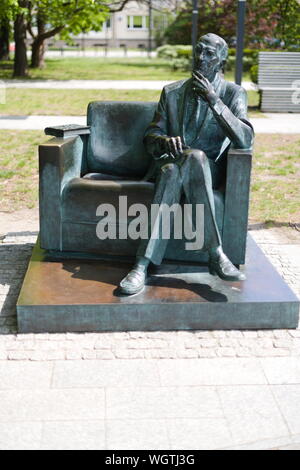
206,59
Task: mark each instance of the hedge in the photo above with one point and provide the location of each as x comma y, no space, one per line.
181,58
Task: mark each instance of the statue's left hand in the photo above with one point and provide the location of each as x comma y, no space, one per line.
203,87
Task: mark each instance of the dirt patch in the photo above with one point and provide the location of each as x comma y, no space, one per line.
24,220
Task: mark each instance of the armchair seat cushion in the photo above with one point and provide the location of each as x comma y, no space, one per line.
104,176
81,198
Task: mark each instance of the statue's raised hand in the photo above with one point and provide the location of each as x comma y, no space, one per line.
203,87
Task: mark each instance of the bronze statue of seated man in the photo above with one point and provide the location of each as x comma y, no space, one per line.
195,123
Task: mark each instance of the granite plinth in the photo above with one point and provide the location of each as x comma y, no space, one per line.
76,295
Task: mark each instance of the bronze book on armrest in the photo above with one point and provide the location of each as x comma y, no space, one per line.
67,130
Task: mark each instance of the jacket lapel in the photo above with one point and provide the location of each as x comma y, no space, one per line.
183,96
182,103
207,115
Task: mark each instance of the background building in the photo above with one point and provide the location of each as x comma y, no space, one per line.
129,27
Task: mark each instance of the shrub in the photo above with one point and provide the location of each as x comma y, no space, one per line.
181,57
184,51
182,64
166,52
250,58
230,62
254,73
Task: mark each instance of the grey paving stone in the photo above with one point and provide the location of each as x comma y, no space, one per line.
73,435
264,444
290,447
295,438
20,436
25,375
288,399
211,372
252,413
137,434
40,405
199,434
117,373
282,370
163,402
280,245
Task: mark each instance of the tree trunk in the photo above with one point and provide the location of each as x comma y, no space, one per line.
38,45
4,40
20,61
37,54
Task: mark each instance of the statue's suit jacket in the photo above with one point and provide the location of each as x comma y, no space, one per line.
210,129
216,128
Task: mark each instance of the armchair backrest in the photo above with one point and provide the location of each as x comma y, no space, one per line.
116,140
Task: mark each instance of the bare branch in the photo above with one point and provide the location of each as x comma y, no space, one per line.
120,8
29,29
50,33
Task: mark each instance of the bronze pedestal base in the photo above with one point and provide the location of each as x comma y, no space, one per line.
76,295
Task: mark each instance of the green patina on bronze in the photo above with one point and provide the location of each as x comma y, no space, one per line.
194,145
195,123
79,173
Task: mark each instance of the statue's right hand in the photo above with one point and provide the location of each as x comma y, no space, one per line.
173,146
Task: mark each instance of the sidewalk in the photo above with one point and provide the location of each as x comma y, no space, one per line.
269,124
147,390
96,53
97,84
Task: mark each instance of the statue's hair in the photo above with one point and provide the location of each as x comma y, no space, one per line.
221,44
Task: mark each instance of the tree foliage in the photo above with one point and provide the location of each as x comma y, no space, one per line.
287,28
66,17
266,22
43,19
47,18
9,9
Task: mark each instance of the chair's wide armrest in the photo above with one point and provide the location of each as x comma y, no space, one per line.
65,156
237,202
60,160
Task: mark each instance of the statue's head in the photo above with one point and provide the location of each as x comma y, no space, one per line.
210,55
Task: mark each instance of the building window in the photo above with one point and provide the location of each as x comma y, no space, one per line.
108,23
137,22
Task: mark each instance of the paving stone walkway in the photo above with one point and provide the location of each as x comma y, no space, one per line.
282,248
270,123
156,404
154,390
97,84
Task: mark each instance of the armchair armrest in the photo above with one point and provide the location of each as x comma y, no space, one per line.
60,160
237,204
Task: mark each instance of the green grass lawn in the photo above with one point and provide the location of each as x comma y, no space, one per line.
275,175
23,101
18,169
275,178
93,68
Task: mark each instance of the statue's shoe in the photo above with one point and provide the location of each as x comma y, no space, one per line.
224,268
133,283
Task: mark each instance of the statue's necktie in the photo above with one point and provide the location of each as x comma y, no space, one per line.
195,114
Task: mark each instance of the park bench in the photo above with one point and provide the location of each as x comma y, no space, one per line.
103,45
279,81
